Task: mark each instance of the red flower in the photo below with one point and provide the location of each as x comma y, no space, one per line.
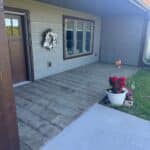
122,82
113,79
117,83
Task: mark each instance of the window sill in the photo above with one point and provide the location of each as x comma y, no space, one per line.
76,56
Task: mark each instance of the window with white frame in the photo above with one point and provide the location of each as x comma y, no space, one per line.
78,37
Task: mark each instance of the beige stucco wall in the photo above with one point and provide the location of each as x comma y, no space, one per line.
45,16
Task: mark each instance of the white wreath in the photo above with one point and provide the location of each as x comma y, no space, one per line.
50,39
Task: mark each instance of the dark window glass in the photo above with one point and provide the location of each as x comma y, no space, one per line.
80,41
88,41
69,36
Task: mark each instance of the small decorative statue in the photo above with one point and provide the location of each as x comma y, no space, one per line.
118,63
129,96
49,39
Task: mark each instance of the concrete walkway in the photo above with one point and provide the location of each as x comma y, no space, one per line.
102,128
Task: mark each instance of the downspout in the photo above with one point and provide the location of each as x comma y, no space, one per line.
145,6
147,64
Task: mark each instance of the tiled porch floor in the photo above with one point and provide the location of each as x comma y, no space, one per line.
45,107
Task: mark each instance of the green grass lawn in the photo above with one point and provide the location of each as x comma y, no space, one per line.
141,106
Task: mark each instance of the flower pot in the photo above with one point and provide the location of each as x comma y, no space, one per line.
116,98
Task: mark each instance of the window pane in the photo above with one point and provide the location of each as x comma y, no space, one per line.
70,45
70,24
80,41
70,42
79,35
69,35
16,29
88,26
7,22
8,26
80,25
88,41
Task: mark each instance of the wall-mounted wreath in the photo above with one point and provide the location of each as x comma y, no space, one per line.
49,39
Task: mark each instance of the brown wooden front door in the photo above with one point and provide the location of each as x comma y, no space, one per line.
14,30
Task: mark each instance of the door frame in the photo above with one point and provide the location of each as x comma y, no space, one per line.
27,40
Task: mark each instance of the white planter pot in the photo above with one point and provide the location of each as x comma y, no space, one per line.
116,98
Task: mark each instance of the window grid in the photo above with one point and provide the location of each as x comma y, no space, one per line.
79,25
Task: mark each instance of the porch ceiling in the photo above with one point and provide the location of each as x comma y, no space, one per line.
99,7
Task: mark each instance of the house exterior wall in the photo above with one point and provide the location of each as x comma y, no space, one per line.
122,39
44,16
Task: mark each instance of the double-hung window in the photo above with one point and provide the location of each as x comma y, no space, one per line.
78,37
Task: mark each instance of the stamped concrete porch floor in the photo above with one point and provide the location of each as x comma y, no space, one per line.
45,107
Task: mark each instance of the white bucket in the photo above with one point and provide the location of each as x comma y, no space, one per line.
116,98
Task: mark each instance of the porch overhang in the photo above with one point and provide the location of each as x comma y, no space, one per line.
144,4
99,7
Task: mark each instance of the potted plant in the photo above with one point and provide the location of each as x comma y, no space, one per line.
117,93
